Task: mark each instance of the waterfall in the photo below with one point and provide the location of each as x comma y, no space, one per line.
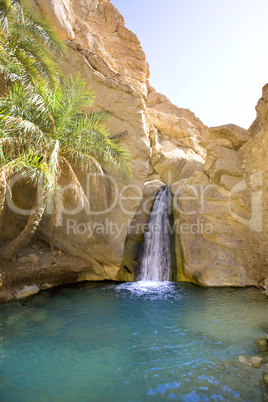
155,260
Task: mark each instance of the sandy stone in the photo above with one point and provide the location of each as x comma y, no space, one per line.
252,361
243,359
170,165
33,258
256,361
237,135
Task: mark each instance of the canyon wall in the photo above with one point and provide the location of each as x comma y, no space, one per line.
217,175
222,212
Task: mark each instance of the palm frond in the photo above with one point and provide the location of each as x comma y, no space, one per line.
67,102
30,42
44,34
4,8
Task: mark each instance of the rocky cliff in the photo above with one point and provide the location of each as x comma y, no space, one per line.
217,175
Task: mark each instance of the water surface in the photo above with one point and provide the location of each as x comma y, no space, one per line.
132,342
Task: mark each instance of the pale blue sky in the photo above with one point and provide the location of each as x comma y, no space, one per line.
210,56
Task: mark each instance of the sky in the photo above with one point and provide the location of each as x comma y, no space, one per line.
209,56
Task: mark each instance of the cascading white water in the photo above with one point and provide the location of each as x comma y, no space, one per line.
155,261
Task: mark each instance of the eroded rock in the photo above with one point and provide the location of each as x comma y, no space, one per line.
235,134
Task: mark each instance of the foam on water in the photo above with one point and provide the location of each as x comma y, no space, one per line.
150,290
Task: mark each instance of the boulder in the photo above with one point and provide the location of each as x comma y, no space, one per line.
170,165
222,161
235,134
33,258
252,361
26,291
194,163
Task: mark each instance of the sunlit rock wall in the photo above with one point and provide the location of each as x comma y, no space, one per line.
221,213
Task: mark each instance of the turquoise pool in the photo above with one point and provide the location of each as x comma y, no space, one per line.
132,342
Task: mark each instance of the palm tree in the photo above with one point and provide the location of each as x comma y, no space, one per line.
42,126
42,132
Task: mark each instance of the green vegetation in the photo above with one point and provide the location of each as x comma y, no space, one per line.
29,48
44,128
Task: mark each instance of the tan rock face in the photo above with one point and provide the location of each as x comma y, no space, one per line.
59,14
213,243
162,104
99,27
176,141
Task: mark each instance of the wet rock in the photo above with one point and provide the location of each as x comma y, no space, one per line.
265,378
256,361
26,291
243,359
54,324
252,361
38,315
262,342
14,319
